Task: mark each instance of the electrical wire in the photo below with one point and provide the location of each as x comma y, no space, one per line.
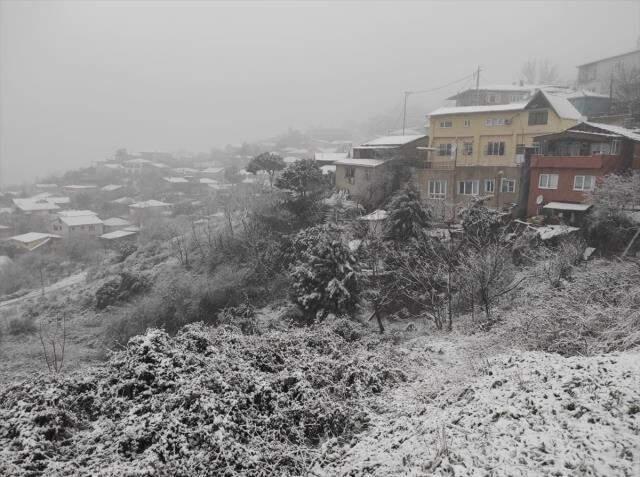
441,87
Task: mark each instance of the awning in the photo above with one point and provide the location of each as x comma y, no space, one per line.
567,206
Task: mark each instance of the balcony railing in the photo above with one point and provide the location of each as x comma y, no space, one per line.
441,163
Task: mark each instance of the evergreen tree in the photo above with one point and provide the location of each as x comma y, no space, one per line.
267,161
407,215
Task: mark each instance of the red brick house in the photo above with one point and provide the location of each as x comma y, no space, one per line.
567,165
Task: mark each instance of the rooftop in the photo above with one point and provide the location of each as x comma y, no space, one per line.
74,221
80,186
149,203
116,234
567,206
76,213
112,187
176,180
115,222
610,57
360,162
393,140
33,205
32,237
445,111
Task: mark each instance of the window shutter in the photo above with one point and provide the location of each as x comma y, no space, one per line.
501,149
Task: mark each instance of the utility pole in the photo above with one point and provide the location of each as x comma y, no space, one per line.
478,86
404,115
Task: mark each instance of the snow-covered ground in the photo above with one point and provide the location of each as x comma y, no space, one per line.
474,413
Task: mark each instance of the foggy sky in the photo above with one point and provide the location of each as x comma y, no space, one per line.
78,80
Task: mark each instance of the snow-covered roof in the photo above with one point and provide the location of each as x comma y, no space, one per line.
447,110
550,231
206,180
30,237
59,200
360,162
123,201
213,170
376,215
561,105
567,206
80,186
176,180
76,213
507,88
330,156
46,186
628,133
149,203
328,168
117,234
138,161
392,140
185,170
291,159
112,166
81,220
34,205
610,57
115,222
112,187
159,165
585,93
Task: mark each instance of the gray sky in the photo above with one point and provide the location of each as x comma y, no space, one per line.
80,79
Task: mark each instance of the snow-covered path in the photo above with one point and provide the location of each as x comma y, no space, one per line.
59,285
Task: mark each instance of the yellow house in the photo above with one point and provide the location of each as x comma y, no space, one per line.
478,150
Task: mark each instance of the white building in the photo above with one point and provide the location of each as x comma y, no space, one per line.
78,223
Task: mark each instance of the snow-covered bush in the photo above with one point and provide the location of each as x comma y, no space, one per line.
207,402
325,277
482,226
121,288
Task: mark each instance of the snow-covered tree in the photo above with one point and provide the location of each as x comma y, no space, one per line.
407,215
268,162
325,277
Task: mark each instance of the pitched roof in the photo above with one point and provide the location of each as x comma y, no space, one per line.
73,221
447,110
80,186
610,57
628,133
116,234
112,187
34,205
393,140
76,213
149,203
115,222
213,170
32,237
360,162
560,104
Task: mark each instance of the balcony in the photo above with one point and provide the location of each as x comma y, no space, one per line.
601,161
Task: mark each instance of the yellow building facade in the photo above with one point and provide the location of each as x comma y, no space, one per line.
478,150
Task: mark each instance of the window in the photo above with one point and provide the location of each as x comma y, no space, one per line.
520,149
538,117
444,149
367,174
615,147
495,148
467,149
437,189
467,123
548,181
584,182
350,172
492,98
468,187
92,228
496,122
446,124
489,185
508,185
514,98
536,147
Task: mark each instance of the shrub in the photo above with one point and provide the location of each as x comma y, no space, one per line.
202,403
22,325
121,288
407,216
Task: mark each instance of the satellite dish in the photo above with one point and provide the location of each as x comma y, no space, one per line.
539,199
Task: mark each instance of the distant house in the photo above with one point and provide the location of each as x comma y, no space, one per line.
77,223
135,167
140,211
33,241
496,94
570,163
31,206
117,237
330,158
601,75
216,173
368,175
115,223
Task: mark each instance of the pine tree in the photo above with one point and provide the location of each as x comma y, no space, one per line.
407,215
